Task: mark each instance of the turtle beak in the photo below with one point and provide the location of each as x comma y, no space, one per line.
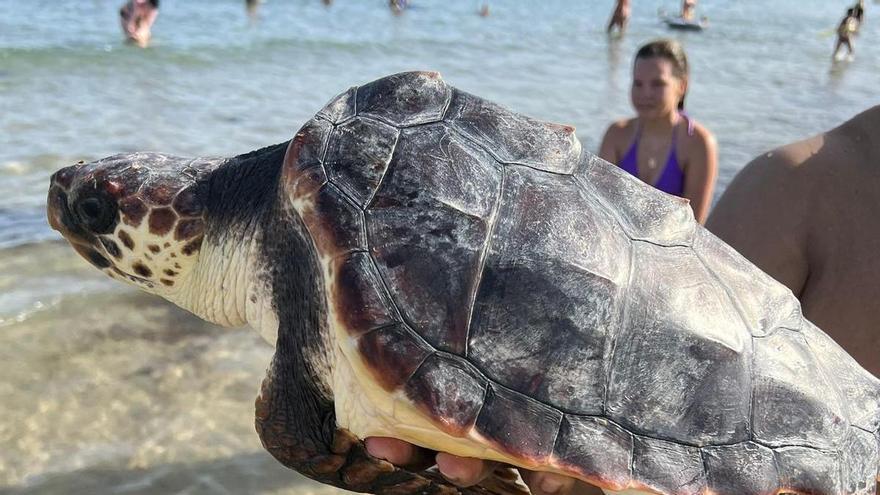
61,219
57,209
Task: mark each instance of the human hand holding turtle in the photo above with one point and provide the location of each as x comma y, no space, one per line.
468,471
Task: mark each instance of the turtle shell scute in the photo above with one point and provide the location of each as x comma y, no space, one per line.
859,458
405,99
360,301
393,354
808,470
763,302
428,226
681,367
450,391
550,293
788,410
856,383
645,213
668,467
513,137
518,424
303,172
744,468
358,153
610,466
341,107
335,223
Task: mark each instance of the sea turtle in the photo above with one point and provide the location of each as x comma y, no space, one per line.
436,268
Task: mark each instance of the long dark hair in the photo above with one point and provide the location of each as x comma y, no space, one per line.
672,51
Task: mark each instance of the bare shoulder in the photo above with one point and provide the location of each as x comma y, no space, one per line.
701,133
616,138
855,142
764,214
620,129
701,140
771,181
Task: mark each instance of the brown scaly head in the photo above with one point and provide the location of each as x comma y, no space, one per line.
137,217
181,228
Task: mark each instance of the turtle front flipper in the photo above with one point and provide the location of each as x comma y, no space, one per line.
301,433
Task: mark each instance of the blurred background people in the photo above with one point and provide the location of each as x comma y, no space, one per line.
137,18
484,9
397,6
688,9
619,17
847,28
252,7
661,145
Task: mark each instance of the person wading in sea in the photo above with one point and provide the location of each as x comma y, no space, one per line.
137,18
619,17
847,28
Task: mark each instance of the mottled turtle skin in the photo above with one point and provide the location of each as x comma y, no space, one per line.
469,279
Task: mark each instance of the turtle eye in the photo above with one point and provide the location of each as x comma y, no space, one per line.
96,213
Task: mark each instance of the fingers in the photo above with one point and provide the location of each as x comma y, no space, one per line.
467,471
464,471
541,483
399,453
461,471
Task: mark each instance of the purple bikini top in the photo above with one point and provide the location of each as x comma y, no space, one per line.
671,179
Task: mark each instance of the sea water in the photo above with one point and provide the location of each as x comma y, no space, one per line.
106,390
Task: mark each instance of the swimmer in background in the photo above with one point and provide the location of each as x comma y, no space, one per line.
137,17
619,17
484,9
688,8
253,7
397,6
845,31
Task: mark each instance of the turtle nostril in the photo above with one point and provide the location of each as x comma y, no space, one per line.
64,177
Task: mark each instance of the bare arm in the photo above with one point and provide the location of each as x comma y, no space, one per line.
611,143
701,172
764,212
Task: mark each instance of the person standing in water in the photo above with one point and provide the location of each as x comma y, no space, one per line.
397,6
688,8
252,7
662,146
137,17
845,31
619,17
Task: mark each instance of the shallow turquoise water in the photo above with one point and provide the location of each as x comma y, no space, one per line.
103,389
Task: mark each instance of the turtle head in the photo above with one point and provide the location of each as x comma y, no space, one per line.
137,217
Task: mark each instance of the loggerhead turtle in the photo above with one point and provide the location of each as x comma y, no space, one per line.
436,268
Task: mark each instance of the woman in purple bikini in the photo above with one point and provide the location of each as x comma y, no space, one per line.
662,146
